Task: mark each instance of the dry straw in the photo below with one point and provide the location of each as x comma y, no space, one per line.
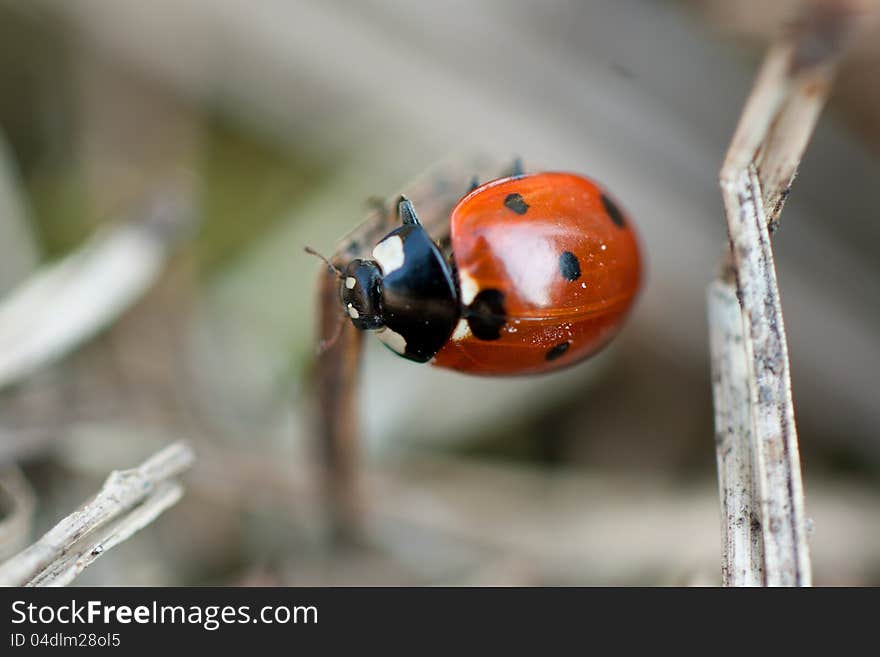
764,525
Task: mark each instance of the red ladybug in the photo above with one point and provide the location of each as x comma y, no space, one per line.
540,273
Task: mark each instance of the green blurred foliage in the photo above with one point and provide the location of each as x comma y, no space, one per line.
248,185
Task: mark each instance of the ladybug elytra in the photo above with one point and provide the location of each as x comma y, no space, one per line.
537,272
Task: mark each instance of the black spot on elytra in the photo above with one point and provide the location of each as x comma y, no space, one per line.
569,266
557,351
486,314
613,212
516,203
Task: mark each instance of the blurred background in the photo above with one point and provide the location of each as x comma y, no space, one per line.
258,128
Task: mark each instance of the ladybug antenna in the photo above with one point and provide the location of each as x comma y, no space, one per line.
407,212
326,343
329,264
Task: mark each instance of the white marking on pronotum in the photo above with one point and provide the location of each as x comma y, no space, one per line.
350,282
393,340
462,331
353,312
389,254
469,287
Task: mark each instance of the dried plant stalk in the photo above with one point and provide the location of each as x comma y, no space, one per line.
743,546
82,554
338,431
67,302
757,450
128,501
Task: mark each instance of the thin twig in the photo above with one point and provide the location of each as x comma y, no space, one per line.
82,554
339,436
743,561
757,450
129,499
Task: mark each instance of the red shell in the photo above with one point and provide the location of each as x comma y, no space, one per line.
564,256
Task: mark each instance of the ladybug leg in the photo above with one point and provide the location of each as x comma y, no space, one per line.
515,169
407,212
377,204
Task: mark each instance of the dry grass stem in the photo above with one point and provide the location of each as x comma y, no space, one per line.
757,449
128,501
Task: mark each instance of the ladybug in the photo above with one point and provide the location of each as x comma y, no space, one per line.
535,272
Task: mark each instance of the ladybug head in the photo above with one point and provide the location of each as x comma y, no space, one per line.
361,294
